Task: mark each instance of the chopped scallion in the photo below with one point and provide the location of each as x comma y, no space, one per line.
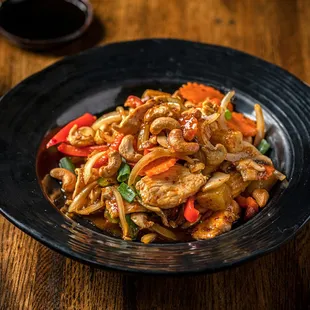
123,173
127,193
228,115
66,163
133,228
264,146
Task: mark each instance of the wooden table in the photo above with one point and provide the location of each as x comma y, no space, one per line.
34,277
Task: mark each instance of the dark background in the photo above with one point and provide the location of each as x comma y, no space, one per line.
34,277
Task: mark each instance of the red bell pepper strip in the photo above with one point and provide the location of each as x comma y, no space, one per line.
101,161
190,213
61,136
80,152
133,102
116,143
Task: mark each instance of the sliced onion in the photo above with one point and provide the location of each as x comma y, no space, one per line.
217,179
205,132
148,238
90,209
79,182
223,107
280,176
156,210
164,232
211,118
79,200
89,165
260,124
121,111
108,118
155,154
162,140
121,212
256,166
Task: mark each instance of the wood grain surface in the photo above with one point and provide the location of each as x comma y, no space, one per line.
34,277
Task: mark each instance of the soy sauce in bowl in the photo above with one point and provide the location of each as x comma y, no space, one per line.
44,24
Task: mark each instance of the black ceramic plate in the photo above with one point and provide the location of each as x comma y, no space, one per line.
102,78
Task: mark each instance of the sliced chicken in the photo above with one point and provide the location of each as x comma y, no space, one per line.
171,188
218,223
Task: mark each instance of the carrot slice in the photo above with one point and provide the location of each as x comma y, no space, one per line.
158,166
242,123
197,93
269,170
245,202
250,205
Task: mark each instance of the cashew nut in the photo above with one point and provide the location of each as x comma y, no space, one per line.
127,151
162,110
177,142
103,136
67,178
216,155
83,136
99,137
113,165
162,123
261,196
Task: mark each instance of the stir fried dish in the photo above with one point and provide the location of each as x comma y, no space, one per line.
166,167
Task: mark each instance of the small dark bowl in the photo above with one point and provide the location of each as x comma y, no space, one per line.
99,80
46,44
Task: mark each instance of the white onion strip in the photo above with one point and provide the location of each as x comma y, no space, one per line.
89,165
223,107
148,238
211,118
109,118
217,179
90,209
280,176
79,200
260,124
164,232
121,212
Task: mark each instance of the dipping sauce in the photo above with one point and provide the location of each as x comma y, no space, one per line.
42,19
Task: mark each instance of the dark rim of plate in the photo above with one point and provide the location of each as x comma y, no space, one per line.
246,242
